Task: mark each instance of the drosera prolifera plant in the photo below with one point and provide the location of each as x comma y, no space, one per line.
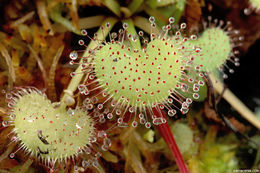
218,44
135,79
52,134
138,83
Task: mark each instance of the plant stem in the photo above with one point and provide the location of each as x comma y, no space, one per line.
131,30
101,35
165,132
134,5
235,102
114,6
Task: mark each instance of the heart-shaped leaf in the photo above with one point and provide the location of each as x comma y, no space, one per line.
47,130
140,77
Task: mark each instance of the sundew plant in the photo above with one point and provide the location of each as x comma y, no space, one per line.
112,86
138,79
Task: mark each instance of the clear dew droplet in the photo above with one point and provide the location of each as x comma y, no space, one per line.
171,112
101,116
231,71
157,121
100,106
86,101
171,20
184,110
73,55
189,101
102,134
142,120
119,120
85,164
76,168
4,123
134,123
87,150
118,111
201,83
104,147
71,62
196,95
95,163
81,42
108,25
110,116
70,112
94,100
237,64
184,87
107,141
89,106
141,115
92,139
247,11
125,25
55,105
8,96
140,33
81,87
72,74
193,37
225,76
131,109
102,120
91,77
152,19
12,116
147,124
183,25
84,32
12,155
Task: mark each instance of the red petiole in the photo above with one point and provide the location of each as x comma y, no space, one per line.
165,132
